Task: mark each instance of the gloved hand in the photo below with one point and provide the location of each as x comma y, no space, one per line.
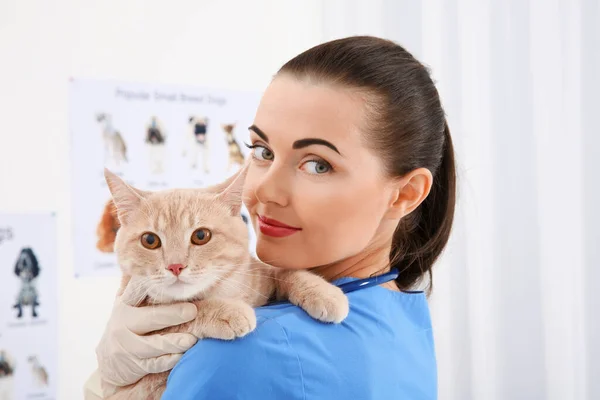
125,356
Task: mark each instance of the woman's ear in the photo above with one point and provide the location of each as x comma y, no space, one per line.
409,192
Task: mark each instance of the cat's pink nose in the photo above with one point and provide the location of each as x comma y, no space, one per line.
176,268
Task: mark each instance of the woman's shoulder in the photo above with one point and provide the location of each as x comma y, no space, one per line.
263,364
290,355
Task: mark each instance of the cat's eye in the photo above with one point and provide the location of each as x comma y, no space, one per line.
201,236
150,241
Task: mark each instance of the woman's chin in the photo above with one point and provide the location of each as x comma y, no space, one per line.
280,258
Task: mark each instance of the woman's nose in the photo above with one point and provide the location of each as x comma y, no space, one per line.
271,188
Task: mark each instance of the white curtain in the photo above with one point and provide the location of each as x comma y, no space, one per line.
516,300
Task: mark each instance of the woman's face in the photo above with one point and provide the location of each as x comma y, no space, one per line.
312,173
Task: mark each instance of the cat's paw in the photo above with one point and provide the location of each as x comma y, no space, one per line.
326,303
230,321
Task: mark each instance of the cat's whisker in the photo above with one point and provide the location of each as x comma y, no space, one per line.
247,271
234,284
246,286
256,262
234,265
223,280
226,269
249,274
259,267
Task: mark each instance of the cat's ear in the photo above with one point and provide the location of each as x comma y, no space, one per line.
126,198
231,195
220,187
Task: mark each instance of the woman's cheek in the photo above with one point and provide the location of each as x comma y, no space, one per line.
352,217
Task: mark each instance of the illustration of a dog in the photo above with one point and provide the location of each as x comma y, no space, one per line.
27,269
114,145
235,151
155,140
40,375
197,142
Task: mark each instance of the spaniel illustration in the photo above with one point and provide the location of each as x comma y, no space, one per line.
27,270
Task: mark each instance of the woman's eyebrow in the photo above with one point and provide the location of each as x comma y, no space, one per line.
259,132
298,144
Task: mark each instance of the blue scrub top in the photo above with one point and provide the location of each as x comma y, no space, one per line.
384,350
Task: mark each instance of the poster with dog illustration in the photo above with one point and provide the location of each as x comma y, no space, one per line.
29,306
155,137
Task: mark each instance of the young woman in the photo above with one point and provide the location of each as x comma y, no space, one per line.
352,175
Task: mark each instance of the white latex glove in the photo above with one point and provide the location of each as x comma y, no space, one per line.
125,356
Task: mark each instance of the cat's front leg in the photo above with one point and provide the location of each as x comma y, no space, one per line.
224,319
319,298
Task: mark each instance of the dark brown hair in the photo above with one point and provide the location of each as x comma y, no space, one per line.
407,127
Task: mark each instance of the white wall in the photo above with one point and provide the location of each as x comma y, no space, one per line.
216,43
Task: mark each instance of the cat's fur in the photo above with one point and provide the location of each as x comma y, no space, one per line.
27,269
235,151
107,228
197,142
222,279
114,145
155,141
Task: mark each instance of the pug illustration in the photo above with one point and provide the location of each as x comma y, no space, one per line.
196,143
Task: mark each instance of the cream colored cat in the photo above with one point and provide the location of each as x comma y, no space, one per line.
192,245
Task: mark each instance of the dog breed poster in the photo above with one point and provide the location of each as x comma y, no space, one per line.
29,303
153,136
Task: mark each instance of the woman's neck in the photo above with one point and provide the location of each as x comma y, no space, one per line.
372,261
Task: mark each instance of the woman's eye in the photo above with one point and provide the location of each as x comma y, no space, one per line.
262,153
316,167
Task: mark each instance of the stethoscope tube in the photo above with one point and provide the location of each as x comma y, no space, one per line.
359,284
368,282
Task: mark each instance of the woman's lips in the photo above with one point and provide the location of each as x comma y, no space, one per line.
274,228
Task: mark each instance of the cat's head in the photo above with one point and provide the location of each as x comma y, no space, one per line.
179,243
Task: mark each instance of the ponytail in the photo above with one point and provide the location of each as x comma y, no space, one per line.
422,235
